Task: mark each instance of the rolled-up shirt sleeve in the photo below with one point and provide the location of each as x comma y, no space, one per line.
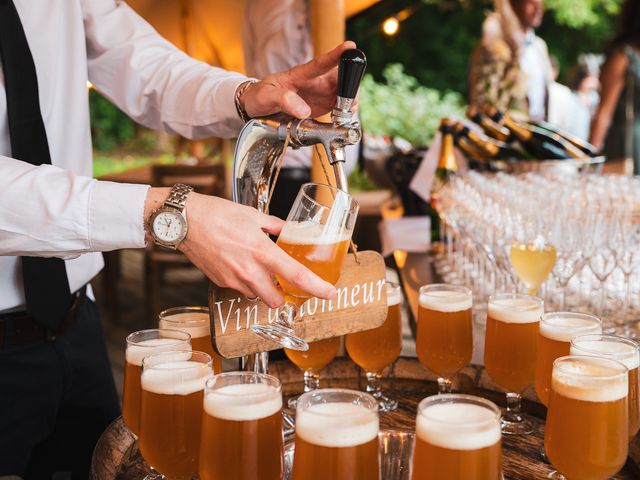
64,214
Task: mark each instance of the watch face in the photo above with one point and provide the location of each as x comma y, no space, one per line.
168,226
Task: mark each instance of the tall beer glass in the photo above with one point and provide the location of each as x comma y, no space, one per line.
623,350
586,433
457,437
171,411
319,355
242,428
374,350
195,322
554,340
444,341
336,436
317,234
140,345
510,351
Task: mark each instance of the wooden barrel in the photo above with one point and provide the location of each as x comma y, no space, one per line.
116,455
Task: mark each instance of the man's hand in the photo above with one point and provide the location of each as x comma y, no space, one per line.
228,243
307,90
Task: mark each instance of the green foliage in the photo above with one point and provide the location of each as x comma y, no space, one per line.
359,181
108,165
582,13
401,107
110,128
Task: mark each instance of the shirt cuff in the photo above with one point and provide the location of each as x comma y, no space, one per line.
116,216
225,96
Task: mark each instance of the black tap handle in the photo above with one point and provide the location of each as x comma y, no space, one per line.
350,71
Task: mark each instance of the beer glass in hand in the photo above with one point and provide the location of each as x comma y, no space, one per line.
586,433
444,341
242,428
171,411
554,341
374,350
623,350
140,345
457,436
336,436
195,322
317,234
510,350
319,355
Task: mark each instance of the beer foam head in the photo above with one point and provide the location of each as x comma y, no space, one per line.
394,294
136,352
311,233
179,377
590,379
195,324
243,402
458,426
563,326
623,350
337,424
516,309
446,300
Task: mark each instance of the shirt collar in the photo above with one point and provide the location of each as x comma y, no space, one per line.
529,38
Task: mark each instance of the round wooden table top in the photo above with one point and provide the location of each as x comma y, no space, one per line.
408,382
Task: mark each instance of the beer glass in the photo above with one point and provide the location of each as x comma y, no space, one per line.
457,436
140,345
586,433
319,355
336,436
444,340
171,411
317,234
510,351
554,340
623,350
242,428
374,350
195,322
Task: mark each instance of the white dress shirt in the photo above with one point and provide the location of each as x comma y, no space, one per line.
58,210
535,63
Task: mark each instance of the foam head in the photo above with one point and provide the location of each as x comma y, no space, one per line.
338,424
394,294
243,402
516,309
623,350
563,326
136,352
448,301
311,233
589,379
195,324
458,426
178,377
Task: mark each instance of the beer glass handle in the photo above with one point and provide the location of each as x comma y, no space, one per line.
351,68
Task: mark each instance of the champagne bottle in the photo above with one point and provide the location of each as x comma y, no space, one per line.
577,142
490,127
541,144
447,164
489,147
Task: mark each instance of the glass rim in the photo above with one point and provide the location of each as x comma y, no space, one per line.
393,286
185,309
161,331
607,338
445,287
353,202
364,399
425,403
208,386
558,365
167,353
537,302
548,316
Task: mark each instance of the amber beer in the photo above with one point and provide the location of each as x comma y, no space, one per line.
586,433
171,411
319,250
318,356
242,428
554,341
374,350
195,322
444,341
140,345
457,437
336,436
511,340
623,350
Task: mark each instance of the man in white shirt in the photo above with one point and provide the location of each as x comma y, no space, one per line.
56,391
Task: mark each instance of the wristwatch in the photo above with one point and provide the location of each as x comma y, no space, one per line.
168,224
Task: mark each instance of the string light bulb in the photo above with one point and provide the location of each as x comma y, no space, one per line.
390,26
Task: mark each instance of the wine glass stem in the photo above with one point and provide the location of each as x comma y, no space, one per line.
373,384
311,380
603,294
287,315
514,401
444,385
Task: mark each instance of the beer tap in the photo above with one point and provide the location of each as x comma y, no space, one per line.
262,141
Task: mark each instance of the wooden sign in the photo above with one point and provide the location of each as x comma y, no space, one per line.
360,304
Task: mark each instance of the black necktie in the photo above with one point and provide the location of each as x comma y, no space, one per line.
46,286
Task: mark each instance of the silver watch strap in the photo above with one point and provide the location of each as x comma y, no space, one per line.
178,196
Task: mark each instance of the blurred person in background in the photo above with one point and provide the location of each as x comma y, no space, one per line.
565,110
616,125
585,81
510,68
